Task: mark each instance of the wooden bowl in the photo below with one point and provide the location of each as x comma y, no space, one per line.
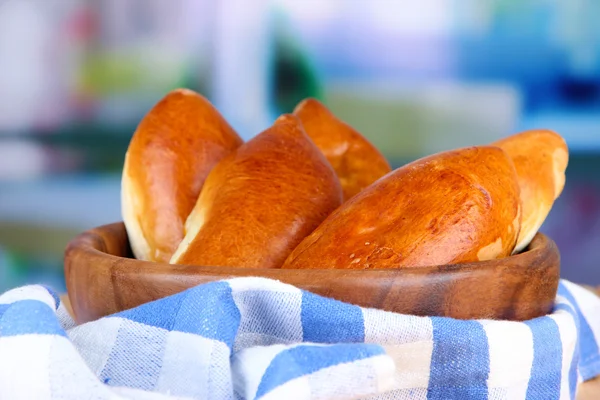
103,278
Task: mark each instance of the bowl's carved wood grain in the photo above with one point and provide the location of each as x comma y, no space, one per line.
102,279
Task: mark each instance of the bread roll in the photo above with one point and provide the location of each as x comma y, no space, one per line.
356,162
453,207
261,201
540,158
172,151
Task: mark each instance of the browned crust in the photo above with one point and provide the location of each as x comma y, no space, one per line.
261,201
541,158
454,207
355,160
170,155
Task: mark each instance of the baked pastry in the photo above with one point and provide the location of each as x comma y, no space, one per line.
541,158
170,155
355,160
457,206
258,203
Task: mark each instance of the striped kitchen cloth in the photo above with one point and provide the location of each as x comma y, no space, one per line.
252,338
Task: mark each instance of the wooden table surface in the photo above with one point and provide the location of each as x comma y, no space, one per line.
589,390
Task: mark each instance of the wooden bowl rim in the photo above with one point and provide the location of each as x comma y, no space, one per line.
92,245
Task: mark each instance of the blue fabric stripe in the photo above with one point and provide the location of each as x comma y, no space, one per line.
26,317
545,378
573,368
460,362
161,313
207,310
3,308
587,340
306,359
136,358
331,321
54,295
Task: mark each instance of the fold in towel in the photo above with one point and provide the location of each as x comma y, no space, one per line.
253,338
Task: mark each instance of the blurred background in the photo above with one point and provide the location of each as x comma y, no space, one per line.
415,77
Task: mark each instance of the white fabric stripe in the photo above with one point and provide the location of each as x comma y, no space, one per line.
364,377
136,358
64,318
296,389
124,393
413,363
385,371
589,305
24,367
249,366
33,292
410,340
511,357
403,394
198,378
353,380
568,335
271,313
388,328
95,341
261,284
495,393
73,370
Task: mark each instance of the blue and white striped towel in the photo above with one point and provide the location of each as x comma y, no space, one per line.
251,338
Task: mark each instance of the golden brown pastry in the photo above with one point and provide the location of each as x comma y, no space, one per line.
356,162
453,207
541,158
170,155
261,201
